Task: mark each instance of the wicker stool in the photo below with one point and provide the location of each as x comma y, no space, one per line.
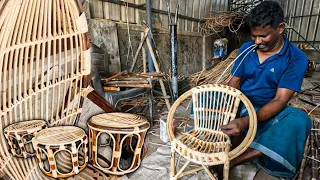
125,134
19,136
56,145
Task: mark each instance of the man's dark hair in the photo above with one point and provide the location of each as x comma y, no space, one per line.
265,14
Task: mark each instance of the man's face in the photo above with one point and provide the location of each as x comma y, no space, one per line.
267,38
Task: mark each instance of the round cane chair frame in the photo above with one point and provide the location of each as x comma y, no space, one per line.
208,159
44,61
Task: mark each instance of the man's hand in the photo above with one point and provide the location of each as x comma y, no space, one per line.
236,127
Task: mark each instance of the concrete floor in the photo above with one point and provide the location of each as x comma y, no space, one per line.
154,141
238,173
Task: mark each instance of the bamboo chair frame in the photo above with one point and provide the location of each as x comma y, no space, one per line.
206,145
120,128
44,63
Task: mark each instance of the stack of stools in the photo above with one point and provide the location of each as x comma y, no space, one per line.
19,136
61,151
124,133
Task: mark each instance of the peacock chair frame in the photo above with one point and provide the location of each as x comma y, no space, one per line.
44,67
206,145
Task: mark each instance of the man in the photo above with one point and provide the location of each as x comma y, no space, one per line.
269,76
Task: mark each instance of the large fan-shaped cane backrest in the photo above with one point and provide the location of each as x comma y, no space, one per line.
43,58
214,106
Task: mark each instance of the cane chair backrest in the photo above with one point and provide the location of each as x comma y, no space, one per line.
43,59
214,105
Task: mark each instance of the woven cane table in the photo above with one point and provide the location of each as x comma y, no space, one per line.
55,145
125,134
19,136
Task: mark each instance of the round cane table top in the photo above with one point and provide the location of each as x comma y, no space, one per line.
118,120
25,126
59,135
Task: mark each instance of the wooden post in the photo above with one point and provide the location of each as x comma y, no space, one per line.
156,66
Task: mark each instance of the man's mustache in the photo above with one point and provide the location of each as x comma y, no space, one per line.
262,45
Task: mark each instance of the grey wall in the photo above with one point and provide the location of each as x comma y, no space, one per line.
192,50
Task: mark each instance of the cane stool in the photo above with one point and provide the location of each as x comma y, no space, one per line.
125,134
56,145
19,136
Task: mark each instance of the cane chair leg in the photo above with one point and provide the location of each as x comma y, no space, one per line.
181,170
173,164
226,170
208,172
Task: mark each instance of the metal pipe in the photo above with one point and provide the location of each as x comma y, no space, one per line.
149,58
143,7
174,67
149,22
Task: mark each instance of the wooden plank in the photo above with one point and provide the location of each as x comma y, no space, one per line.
123,12
182,11
115,12
97,9
195,14
127,13
106,10
131,12
136,13
211,5
156,66
164,18
189,13
100,102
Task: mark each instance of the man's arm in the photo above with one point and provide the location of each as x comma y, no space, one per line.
277,104
235,82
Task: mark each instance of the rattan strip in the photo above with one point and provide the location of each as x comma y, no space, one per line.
118,120
213,109
206,141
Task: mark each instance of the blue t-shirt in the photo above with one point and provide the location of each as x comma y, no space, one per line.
259,82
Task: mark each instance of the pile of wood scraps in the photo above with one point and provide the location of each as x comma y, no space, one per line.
309,98
125,79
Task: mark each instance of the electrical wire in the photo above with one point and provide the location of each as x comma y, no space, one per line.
227,68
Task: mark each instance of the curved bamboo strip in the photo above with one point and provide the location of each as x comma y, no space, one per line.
210,76
43,58
213,105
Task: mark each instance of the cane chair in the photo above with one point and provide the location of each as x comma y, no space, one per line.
206,145
44,63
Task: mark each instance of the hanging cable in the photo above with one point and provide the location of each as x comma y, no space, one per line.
252,48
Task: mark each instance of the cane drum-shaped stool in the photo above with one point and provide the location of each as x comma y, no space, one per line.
19,136
61,151
124,134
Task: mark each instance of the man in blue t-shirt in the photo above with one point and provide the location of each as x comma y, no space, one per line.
269,75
